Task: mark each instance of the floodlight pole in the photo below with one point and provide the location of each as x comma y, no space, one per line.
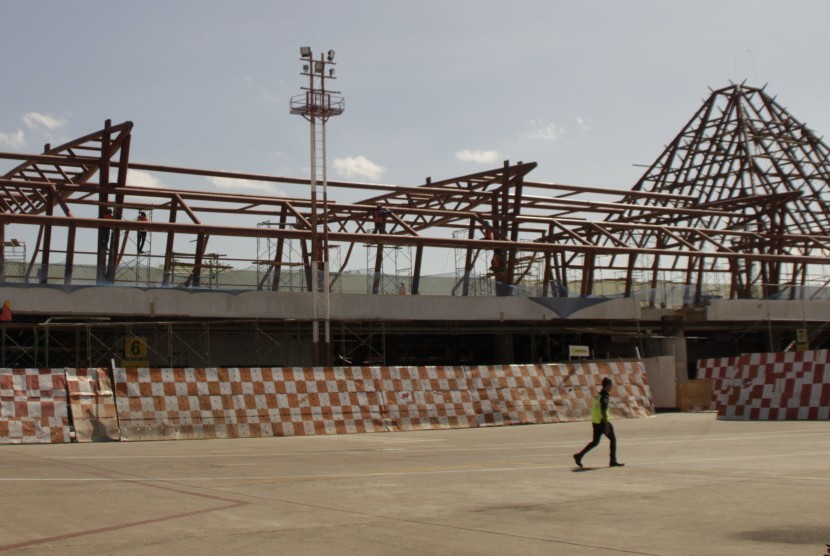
316,103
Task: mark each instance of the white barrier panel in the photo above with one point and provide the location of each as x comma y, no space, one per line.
92,405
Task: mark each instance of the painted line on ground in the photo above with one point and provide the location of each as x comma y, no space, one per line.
230,503
466,468
441,449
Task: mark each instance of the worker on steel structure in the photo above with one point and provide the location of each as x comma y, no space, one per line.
601,420
379,216
141,235
104,232
6,313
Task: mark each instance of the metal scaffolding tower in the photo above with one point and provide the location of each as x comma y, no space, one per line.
389,269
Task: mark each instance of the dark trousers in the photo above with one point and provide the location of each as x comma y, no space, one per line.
599,430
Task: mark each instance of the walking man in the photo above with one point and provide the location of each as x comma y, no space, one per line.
601,420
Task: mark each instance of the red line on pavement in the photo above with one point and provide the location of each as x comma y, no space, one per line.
233,504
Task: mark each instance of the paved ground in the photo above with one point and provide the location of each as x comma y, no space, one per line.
692,485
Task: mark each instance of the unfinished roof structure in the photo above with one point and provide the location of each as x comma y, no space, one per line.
760,178
735,207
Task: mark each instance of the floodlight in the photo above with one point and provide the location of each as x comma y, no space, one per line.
319,66
331,72
305,67
305,51
331,55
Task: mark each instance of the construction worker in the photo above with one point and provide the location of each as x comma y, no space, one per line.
379,216
104,232
141,235
497,262
601,421
6,312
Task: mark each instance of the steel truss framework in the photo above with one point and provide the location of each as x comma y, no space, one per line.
738,197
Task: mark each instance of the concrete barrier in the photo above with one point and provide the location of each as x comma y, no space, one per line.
417,398
195,403
574,386
512,395
721,371
243,402
33,406
771,386
200,403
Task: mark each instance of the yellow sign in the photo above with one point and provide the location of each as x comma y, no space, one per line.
802,342
135,347
579,351
135,364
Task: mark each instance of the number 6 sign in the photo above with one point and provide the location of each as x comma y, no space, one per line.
135,347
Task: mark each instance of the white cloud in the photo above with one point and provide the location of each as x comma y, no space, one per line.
584,123
358,166
12,140
543,131
235,184
480,157
36,119
139,178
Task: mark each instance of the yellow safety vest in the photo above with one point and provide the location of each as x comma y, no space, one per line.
596,410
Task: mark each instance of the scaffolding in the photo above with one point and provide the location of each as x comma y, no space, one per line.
172,344
137,269
279,261
389,268
14,250
471,269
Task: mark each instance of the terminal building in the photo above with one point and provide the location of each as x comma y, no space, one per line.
720,248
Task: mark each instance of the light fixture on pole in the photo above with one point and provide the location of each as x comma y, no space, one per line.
317,105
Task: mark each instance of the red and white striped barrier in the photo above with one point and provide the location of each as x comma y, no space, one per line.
576,384
245,402
513,395
33,406
417,398
720,371
771,386
234,402
184,403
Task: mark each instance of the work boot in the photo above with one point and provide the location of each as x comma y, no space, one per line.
578,459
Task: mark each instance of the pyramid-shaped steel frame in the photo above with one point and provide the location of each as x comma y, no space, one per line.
750,168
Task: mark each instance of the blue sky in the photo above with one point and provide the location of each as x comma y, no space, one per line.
432,88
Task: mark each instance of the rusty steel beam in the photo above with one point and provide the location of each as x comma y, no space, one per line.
433,241
667,217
